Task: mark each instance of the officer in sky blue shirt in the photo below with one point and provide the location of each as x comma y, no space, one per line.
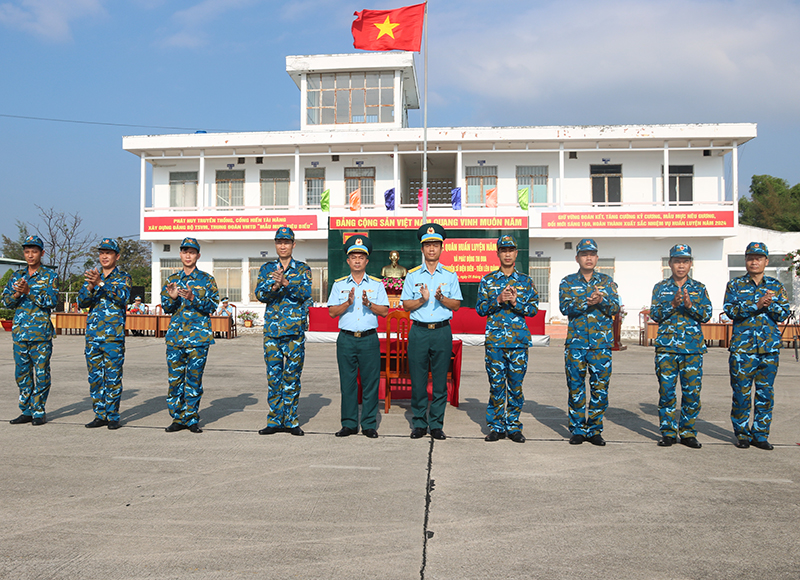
431,293
589,299
105,293
680,305
358,300
32,293
757,304
190,296
506,296
284,285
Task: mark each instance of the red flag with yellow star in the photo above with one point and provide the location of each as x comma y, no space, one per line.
399,29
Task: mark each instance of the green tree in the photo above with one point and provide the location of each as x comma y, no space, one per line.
68,247
773,205
135,259
13,248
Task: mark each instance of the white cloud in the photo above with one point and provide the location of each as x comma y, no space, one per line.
49,19
696,58
192,22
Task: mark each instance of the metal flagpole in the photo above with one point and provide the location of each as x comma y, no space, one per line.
425,128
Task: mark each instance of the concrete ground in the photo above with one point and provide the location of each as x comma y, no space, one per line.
228,503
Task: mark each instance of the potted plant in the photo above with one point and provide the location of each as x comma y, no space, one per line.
7,318
248,317
393,286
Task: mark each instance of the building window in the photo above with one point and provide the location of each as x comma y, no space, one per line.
439,191
539,271
183,188
319,280
356,97
228,274
230,188
534,178
680,183
778,268
360,178
275,188
255,266
606,184
480,179
168,267
315,185
605,266
666,271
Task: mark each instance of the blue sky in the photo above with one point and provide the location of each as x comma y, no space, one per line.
219,65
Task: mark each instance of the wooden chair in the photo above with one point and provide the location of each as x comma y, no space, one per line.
395,359
644,319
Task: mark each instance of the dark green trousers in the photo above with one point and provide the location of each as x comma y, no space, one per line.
429,348
354,354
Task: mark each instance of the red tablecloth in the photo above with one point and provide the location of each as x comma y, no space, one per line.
465,321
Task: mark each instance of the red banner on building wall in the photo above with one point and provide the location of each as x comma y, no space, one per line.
455,222
230,223
470,258
638,219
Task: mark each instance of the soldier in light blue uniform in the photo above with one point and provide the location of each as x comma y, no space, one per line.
590,301
506,297
105,293
756,303
285,287
680,305
431,293
190,296
33,292
358,300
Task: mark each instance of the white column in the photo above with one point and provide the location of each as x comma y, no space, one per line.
201,181
735,170
143,188
559,187
303,102
297,196
460,176
396,177
665,176
399,117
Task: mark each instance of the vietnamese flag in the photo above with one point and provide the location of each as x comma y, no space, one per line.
399,29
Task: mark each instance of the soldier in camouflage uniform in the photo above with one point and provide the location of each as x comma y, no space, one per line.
285,287
756,303
506,297
33,292
680,305
590,301
190,296
105,293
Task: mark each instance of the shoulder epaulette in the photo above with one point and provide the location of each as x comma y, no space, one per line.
415,269
376,279
340,279
448,268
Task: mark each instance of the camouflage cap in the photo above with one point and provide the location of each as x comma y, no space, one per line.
284,233
758,248
506,241
586,245
33,241
190,243
680,251
109,244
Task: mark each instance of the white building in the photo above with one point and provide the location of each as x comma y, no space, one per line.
232,190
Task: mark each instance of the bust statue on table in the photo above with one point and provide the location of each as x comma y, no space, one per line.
393,274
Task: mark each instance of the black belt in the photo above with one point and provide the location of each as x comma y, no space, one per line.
432,325
360,334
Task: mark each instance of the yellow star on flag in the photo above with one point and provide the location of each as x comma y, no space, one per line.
387,27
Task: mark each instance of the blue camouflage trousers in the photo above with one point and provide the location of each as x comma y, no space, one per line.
32,359
104,361
746,369
284,356
587,420
186,367
506,368
669,367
